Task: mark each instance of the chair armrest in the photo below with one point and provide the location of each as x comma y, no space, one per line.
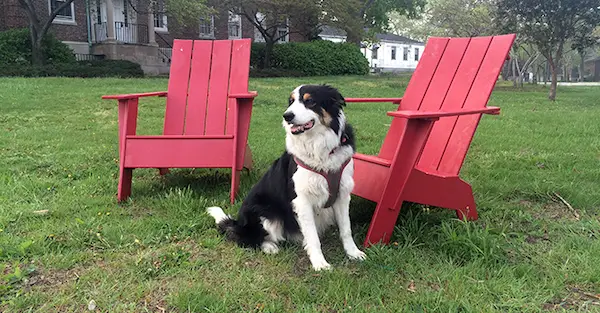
393,100
436,115
245,95
136,95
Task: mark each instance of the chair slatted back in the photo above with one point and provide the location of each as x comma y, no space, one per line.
453,74
203,73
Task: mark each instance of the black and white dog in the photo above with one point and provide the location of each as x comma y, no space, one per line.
307,189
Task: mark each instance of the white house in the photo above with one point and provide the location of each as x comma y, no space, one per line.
391,53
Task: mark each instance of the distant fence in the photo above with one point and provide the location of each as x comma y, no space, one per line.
89,57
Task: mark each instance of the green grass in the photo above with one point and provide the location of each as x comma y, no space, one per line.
526,253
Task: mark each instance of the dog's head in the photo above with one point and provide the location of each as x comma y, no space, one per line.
314,107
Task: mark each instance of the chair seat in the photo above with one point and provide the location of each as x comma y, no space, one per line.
203,137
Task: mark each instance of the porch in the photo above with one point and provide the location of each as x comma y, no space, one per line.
120,32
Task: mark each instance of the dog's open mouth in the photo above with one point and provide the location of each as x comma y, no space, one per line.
299,129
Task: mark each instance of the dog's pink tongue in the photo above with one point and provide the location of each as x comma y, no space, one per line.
296,128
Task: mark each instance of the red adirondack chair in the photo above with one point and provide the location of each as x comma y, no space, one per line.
431,131
207,117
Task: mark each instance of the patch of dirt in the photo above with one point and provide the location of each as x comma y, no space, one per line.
554,211
156,300
535,239
54,279
579,299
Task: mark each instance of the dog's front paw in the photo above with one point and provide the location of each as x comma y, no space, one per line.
356,254
321,265
269,247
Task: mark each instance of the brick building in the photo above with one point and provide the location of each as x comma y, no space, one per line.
127,29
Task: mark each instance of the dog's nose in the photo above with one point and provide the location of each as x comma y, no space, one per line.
288,116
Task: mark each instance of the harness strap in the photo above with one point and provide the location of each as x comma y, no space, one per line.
333,179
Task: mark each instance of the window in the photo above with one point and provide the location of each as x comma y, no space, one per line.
283,31
64,15
416,54
160,18
393,53
405,54
207,27
234,26
98,12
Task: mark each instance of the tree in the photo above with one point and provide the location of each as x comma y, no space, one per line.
361,18
273,18
455,18
548,24
522,56
587,37
38,28
183,12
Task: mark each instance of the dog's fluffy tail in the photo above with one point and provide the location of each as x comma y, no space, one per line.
246,233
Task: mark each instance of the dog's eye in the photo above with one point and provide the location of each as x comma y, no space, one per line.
291,101
309,102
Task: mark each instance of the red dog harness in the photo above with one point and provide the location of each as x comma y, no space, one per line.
333,178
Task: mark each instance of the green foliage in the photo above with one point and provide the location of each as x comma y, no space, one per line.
548,23
354,16
15,48
315,58
96,68
185,13
257,55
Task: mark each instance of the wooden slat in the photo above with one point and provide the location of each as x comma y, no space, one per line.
444,75
178,153
464,129
454,100
178,86
424,73
219,85
238,79
195,116
415,91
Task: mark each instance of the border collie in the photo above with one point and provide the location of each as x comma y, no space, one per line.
307,189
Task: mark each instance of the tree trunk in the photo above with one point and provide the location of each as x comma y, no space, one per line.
514,72
552,93
581,67
269,44
37,56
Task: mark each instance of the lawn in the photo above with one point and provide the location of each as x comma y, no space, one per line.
65,244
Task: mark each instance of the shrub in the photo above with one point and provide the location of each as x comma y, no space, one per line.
257,55
15,48
274,72
97,68
315,58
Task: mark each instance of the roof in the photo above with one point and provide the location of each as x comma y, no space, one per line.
327,30
397,38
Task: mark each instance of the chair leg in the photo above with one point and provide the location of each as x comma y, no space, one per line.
163,171
124,189
235,184
406,156
468,213
248,163
382,225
